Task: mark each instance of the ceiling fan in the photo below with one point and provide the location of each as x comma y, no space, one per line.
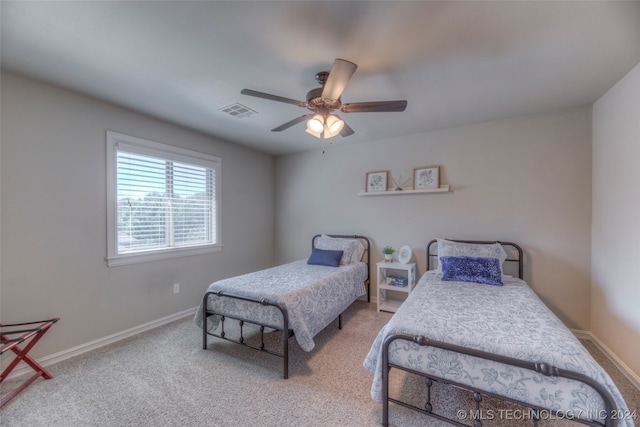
323,101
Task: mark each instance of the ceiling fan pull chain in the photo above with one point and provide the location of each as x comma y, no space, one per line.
323,145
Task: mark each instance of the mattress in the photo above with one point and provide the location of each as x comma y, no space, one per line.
313,295
508,320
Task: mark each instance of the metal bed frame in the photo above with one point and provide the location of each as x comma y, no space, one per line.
542,368
285,332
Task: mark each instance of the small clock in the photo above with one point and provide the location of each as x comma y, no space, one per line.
404,254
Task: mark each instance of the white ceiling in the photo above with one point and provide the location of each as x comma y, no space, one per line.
455,62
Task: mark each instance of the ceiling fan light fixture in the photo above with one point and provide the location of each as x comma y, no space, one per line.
312,132
316,124
332,126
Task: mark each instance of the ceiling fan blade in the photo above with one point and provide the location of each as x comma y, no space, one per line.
291,123
374,107
339,76
346,130
272,97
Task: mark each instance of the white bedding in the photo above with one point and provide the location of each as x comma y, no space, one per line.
509,320
313,295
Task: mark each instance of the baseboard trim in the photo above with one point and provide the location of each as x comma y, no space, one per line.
623,367
581,334
101,342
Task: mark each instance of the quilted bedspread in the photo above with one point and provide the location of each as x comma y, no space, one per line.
313,295
509,320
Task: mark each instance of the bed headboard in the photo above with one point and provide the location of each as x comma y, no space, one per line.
366,257
514,253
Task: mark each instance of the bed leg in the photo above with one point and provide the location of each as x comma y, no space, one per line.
385,394
204,334
204,323
386,368
535,416
285,352
385,384
340,321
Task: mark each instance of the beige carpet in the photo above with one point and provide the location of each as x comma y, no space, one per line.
164,378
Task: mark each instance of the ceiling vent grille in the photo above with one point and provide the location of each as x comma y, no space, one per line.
238,110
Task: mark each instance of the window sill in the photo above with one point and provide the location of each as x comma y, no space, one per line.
136,258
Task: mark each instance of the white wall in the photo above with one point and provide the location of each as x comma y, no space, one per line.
615,317
53,218
525,179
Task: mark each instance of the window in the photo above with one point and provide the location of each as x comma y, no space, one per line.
163,201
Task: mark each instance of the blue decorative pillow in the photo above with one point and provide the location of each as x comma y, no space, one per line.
471,269
325,257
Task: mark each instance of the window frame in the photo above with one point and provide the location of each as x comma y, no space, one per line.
168,152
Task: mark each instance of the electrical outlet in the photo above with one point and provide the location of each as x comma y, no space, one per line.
176,288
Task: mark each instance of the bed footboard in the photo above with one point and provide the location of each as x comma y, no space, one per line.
542,368
286,332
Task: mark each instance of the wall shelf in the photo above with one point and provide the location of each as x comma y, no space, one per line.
441,189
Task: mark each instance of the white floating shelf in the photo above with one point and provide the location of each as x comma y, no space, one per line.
441,189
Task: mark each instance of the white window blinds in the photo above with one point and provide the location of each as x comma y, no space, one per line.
164,198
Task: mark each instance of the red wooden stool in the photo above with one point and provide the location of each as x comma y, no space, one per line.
32,333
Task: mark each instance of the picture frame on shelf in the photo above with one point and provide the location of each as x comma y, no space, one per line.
376,181
426,177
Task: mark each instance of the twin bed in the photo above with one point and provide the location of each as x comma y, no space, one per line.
469,325
298,299
466,323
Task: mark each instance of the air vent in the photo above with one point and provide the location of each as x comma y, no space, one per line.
238,110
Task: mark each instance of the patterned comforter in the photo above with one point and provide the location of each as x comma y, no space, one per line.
509,320
313,295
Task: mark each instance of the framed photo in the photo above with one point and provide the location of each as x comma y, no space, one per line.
376,181
426,177
404,254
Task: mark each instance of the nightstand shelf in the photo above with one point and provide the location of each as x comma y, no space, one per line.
390,297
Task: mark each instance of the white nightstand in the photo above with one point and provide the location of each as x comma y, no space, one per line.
390,297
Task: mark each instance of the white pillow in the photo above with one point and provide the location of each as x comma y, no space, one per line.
349,247
477,250
357,255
